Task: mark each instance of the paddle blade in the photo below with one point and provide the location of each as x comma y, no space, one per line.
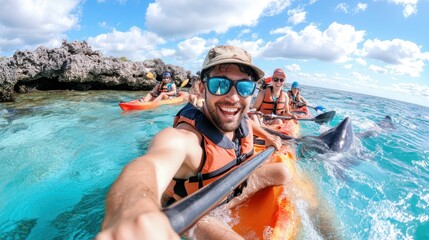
184,83
324,117
149,75
319,108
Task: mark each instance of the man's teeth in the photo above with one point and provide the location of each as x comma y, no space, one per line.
229,109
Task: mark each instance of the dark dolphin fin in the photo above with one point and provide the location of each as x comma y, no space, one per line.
339,138
386,123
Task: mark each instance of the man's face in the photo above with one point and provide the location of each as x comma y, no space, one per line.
227,111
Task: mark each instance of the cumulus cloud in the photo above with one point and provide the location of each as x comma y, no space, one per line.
186,18
193,48
28,24
251,46
377,69
344,7
296,16
336,44
361,77
361,61
403,57
293,68
135,44
275,7
348,66
412,88
360,7
410,6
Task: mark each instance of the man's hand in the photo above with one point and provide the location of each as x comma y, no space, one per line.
273,140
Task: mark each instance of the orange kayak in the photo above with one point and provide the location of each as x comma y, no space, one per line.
272,212
302,112
138,105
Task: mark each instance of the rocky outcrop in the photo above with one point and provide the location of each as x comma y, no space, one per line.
75,66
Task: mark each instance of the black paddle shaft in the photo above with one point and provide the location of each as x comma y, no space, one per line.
185,213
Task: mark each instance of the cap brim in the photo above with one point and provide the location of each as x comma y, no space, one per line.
258,71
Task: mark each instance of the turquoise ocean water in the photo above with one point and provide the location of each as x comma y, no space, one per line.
61,151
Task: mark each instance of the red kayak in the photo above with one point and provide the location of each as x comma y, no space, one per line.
138,105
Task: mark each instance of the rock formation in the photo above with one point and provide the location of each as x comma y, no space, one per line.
75,66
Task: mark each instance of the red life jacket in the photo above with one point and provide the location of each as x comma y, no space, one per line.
220,152
270,106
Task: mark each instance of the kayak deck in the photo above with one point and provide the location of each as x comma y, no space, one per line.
302,112
270,213
138,105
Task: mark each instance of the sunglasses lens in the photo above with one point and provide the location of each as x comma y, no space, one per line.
218,86
246,88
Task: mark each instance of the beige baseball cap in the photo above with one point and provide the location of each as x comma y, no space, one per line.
230,54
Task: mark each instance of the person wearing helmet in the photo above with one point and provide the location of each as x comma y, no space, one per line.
295,98
162,90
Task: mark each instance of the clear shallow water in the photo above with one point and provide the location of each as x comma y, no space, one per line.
61,151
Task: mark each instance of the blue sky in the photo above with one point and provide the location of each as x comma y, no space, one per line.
376,47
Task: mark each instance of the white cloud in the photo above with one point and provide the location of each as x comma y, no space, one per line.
412,88
296,16
28,24
275,7
293,68
283,30
348,66
361,61
192,48
403,57
343,7
336,44
410,6
361,77
360,7
250,46
135,44
377,69
186,18
244,32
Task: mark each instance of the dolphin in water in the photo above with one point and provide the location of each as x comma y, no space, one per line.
385,125
337,139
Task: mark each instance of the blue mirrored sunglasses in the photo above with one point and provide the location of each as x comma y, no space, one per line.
221,85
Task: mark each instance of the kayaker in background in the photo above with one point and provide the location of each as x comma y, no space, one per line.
195,92
202,142
272,100
162,90
295,98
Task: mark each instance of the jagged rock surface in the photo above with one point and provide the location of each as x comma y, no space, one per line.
75,66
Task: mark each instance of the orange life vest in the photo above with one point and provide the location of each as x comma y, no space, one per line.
165,87
270,106
294,100
221,154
